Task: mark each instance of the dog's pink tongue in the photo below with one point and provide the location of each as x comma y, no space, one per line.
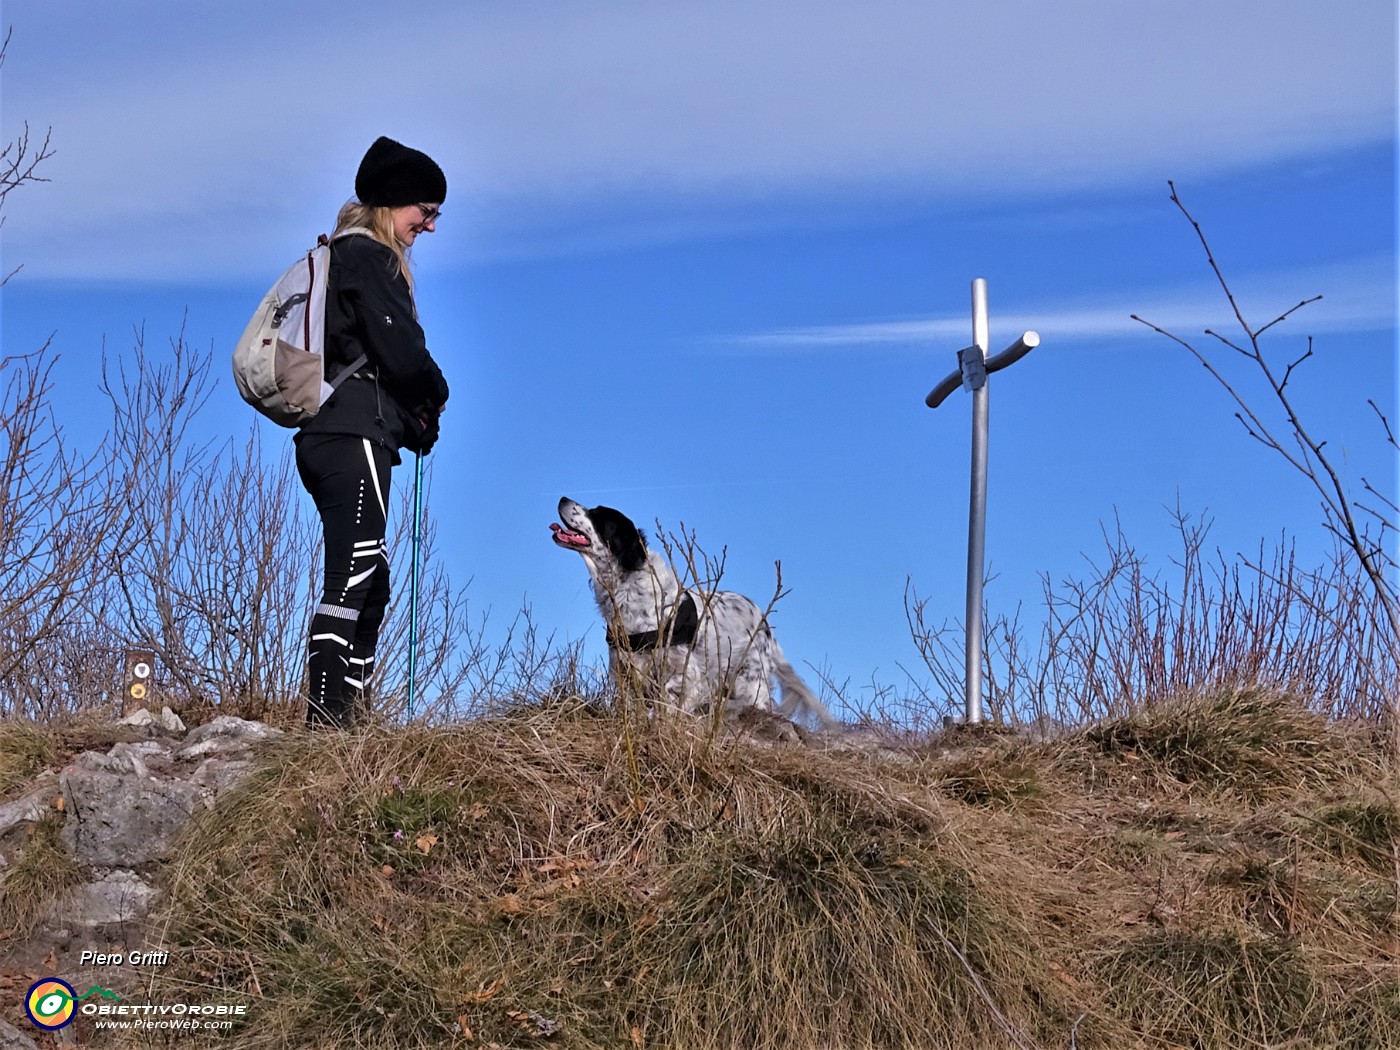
563,535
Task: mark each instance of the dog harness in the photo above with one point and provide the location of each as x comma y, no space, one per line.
682,631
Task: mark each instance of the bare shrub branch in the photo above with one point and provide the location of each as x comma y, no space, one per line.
1307,455
56,511
19,160
1125,637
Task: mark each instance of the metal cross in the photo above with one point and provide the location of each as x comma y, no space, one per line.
974,366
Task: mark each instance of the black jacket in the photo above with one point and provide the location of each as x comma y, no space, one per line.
369,311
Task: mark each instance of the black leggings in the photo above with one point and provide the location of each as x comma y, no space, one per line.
348,477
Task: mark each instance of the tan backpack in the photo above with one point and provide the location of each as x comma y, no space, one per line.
279,363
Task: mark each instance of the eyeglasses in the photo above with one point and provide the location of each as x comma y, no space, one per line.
430,214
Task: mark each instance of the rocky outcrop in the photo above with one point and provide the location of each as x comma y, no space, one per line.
123,811
126,808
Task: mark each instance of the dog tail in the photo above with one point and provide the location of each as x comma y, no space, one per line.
797,698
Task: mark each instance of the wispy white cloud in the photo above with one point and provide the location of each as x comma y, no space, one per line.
1357,295
185,145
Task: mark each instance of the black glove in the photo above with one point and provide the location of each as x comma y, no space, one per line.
423,427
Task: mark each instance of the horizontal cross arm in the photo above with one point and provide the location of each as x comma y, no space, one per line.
1013,353
950,383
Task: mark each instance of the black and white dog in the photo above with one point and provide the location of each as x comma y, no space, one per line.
698,646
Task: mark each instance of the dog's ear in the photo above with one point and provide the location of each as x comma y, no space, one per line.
633,556
627,542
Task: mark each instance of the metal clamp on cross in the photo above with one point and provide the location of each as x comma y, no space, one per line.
974,366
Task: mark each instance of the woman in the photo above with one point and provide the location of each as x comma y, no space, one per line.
390,402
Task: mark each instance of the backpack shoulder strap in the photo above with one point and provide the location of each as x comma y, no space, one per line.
359,362
349,231
346,372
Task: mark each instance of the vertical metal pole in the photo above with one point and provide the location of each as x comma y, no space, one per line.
413,584
977,518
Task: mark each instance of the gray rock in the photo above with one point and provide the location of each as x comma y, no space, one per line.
137,759
141,758
167,720
216,776
212,746
11,1038
117,819
97,762
223,735
119,896
28,808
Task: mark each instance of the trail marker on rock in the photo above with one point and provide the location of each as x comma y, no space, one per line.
974,366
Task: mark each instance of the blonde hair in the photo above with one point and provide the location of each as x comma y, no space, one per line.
380,222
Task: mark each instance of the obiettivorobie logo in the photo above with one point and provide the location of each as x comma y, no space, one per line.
52,1003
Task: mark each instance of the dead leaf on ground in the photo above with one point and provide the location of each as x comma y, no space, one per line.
566,865
484,993
426,842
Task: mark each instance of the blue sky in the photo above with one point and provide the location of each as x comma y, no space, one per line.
702,262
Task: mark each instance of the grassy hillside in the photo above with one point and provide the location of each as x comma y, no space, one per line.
1216,873
1222,873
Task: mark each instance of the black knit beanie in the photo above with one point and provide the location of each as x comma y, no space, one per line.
392,175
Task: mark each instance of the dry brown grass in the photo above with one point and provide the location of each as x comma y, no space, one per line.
25,751
1210,875
29,748
38,879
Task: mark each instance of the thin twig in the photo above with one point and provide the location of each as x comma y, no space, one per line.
1286,314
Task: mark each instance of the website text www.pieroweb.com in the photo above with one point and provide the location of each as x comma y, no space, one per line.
168,1017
